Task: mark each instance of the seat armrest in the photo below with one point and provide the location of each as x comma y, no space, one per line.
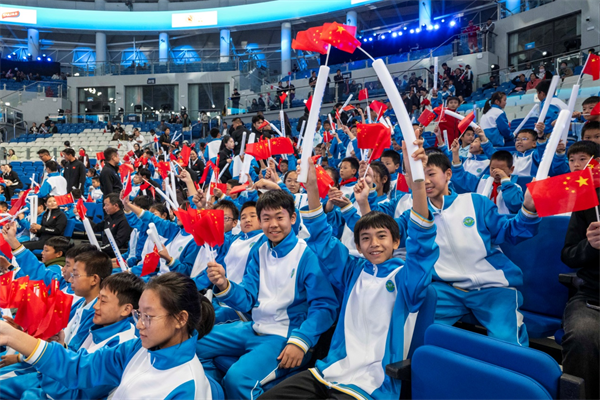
570,387
399,370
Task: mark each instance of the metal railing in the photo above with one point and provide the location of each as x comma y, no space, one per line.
33,90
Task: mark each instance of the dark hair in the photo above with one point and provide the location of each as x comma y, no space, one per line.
144,173
113,199
92,170
96,178
531,132
161,208
79,249
224,142
52,165
178,293
383,172
143,202
59,243
438,159
498,96
69,152
376,219
229,205
353,162
233,182
274,200
543,87
591,100
127,287
393,154
590,125
247,204
76,193
450,98
43,151
257,118
503,155
588,147
336,175
96,263
214,132
109,153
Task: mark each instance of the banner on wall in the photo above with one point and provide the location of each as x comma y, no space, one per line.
194,19
18,15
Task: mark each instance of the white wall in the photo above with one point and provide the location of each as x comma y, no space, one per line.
590,31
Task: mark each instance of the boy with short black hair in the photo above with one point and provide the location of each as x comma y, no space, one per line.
587,107
450,124
95,190
391,160
591,131
379,293
291,301
348,169
472,275
505,191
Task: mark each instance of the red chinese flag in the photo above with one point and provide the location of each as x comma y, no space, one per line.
125,169
215,220
309,103
100,156
363,94
303,41
596,109
349,108
425,102
31,310
464,123
368,134
18,289
426,117
264,124
594,166
19,203
564,193
282,97
81,153
313,35
281,145
81,210
384,141
172,157
327,137
209,165
324,181
592,67
163,169
5,287
151,261
378,107
57,314
128,187
315,159
401,184
64,199
259,150
339,37
185,155
5,248
221,186
238,189
89,199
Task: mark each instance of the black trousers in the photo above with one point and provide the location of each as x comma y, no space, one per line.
303,386
581,343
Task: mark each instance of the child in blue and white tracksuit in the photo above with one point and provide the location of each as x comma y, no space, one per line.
292,304
496,126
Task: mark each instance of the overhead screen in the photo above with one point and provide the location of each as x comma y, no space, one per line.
163,21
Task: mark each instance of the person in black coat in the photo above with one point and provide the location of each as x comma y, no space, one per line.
110,182
238,134
115,220
196,163
74,171
226,157
12,181
54,223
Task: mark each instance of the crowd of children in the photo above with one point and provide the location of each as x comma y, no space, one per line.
314,293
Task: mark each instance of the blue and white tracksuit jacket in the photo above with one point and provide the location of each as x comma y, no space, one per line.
510,194
55,184
527,163
137,373
372,329
496,127
470,229
292,302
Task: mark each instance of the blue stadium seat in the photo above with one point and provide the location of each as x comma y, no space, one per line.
69,229
458,364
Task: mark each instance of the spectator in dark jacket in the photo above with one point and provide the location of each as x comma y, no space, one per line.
12,181
115,220
54,223
110,182
74,171
237,133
